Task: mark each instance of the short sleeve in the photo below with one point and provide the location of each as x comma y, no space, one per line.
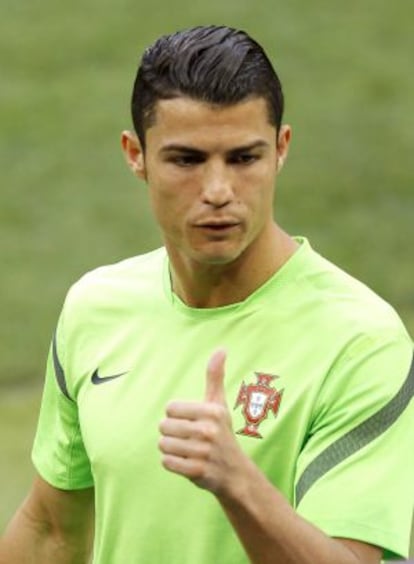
354,475
58,452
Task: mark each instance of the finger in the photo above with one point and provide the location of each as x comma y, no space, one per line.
184,448
180,428
191,410
215,378
204,429
190,468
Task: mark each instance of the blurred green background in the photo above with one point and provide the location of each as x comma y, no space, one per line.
68,202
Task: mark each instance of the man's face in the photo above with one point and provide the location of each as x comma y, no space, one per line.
211,174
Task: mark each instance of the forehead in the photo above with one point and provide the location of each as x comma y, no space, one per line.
191,122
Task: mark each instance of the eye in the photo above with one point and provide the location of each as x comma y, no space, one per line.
243,159
186,160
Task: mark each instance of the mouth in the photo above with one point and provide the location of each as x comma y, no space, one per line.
217,231
217,225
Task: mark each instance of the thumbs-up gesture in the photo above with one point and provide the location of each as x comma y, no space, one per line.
197,440
215,378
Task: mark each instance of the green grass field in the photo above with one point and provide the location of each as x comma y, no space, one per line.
68,203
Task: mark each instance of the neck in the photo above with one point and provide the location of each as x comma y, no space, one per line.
211,285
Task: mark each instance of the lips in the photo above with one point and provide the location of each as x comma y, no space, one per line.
218,226
217,223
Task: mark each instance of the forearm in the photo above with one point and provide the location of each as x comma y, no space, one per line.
271,531
197,441
27,541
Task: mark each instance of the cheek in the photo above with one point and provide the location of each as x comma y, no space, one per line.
259,190
169,204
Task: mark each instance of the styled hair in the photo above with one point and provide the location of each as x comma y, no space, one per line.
214,64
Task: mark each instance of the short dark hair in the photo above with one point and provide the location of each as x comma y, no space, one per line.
214,64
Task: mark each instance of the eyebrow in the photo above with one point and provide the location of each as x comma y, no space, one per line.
176,147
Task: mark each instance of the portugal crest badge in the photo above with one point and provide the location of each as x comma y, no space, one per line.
257,400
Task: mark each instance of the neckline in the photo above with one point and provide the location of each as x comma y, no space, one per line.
283,274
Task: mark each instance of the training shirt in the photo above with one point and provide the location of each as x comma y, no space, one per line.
319,380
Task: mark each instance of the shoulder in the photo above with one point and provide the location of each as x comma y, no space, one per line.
369,348
345,300
124,281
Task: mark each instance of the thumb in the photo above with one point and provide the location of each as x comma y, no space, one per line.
215,378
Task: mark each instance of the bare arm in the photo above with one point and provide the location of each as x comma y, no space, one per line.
198,443
270,530
52,525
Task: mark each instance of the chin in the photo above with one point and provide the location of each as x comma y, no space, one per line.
216,258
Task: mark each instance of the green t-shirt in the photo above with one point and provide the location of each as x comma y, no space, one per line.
319,380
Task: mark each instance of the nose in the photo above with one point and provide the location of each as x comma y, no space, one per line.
217,185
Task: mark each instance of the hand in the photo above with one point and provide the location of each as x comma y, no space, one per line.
197,438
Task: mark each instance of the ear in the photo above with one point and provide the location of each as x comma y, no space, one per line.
134,155
283,142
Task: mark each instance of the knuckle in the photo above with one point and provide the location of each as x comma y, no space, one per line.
206,430
196,471
217,411
163,426
202,450
161,444
170,408
167,463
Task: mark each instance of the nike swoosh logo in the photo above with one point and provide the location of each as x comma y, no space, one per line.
96,379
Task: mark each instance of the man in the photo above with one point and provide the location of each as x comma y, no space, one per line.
257,370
